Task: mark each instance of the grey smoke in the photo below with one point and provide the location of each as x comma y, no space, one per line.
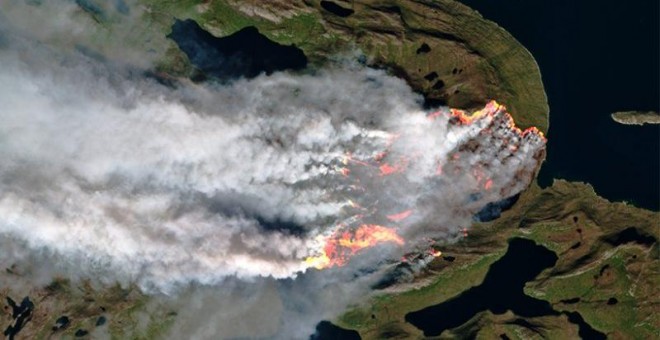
132,180
214,195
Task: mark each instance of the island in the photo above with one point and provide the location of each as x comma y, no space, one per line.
598,275
636,117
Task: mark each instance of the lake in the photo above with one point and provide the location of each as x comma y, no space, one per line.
501,290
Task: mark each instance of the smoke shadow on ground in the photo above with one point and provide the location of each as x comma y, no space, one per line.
630,235
494,210
246,53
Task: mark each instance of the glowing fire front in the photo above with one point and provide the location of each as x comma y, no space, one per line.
484,154
339,248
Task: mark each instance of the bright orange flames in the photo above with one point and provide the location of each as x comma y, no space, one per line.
435,253
347,241
387,169
341,246
400,216
490,109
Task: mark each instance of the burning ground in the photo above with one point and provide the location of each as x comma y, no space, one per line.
418,172
166,187
110,177
606,270
202,210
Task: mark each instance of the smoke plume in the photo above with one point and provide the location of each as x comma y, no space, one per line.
118,178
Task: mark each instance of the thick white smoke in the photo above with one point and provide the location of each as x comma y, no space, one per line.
106,174
160,186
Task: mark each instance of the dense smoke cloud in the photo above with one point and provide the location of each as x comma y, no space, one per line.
115,177
124,176
127,177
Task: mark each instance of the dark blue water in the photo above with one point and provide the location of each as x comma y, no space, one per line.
596,57
245,53
501,290
325,330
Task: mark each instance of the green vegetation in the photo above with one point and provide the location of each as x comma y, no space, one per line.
593,270
619,275
390,308
474,59
129,313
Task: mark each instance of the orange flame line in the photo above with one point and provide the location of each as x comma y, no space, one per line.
400,216
341,246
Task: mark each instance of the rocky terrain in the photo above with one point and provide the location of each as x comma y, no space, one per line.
636,117
606,270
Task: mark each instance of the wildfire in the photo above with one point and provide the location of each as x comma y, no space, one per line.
355,234
490,109
435,253
353,204
341,246
387,169
400,216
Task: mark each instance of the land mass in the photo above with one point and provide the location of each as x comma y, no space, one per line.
636,117
606,271
444,50
607,253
